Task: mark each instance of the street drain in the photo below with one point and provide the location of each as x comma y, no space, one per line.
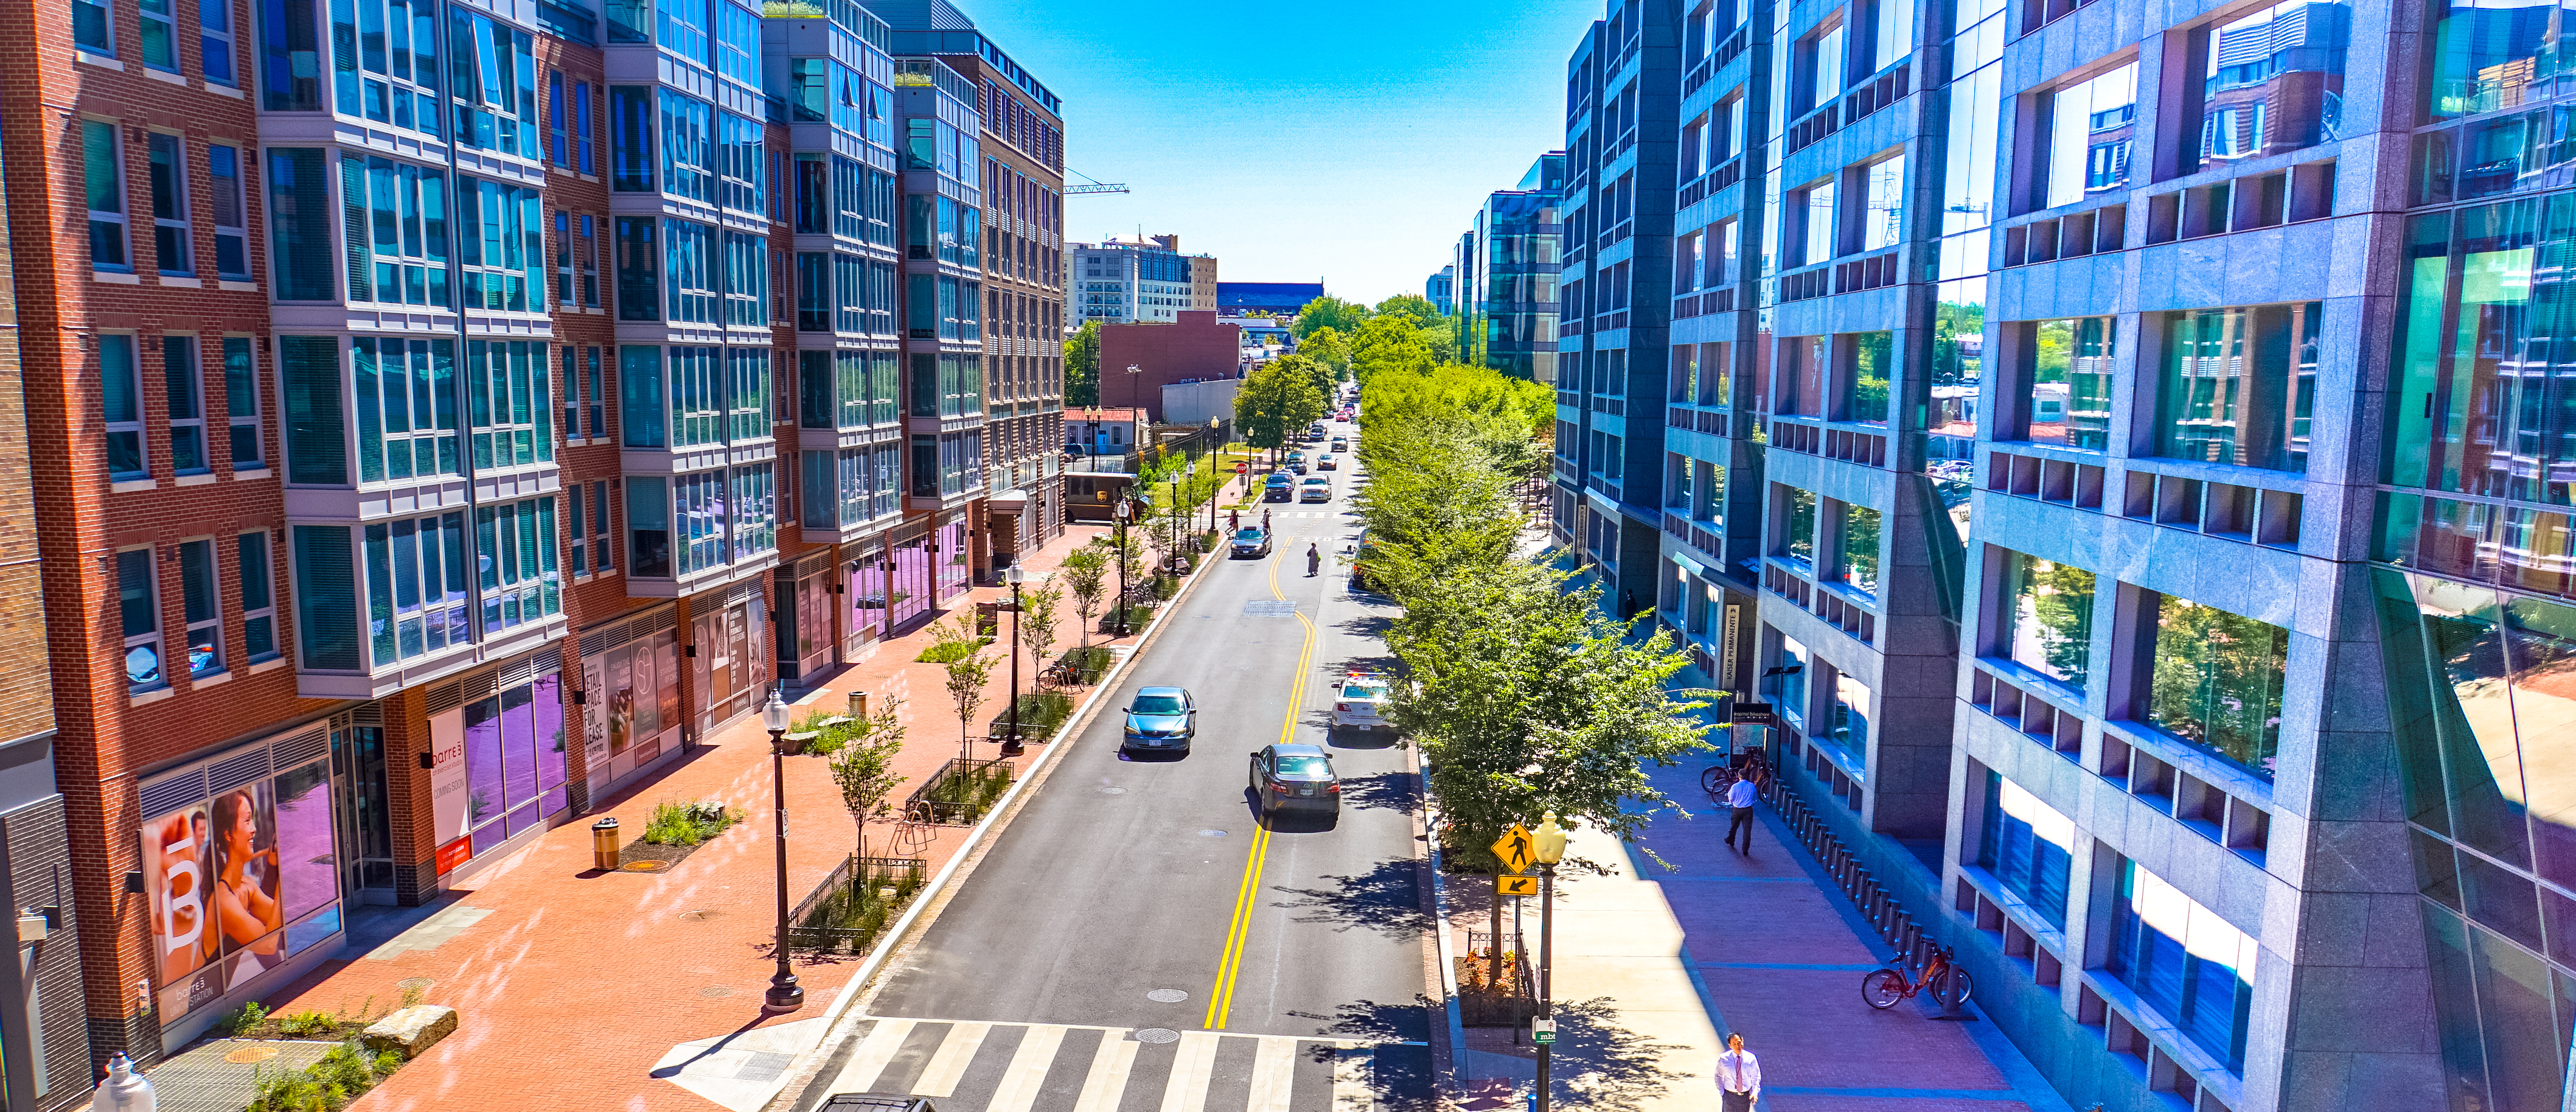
1166,996
702,914
1113,791
713,992
1158,1035
409,983
1211,833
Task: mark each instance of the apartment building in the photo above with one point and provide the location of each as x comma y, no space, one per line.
2109,440
449,413
1139,280
1506,271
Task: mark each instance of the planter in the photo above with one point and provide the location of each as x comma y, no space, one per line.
960,793
846,912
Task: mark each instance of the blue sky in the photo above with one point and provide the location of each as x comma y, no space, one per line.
1337,140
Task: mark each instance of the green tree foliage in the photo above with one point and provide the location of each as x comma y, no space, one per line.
1038,607
1328,346
1086,577
1958,329
1416,306
1277,400
2218,680
1391,343
864,768
1329,312
965,676
1082,366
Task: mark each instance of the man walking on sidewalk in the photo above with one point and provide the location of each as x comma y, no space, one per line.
1739,799
1739,1077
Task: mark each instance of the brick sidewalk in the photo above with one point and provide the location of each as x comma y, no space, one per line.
1654,967
572,984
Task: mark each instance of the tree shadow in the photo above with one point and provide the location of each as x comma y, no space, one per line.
1386,899
1599,1064
1386,791
1398,1074
1370,625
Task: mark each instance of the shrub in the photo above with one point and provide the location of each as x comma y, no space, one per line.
1165,587
948,652
306,1023
243,1022
344,1074
688,822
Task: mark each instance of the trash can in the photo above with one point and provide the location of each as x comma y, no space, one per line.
603,844
859,705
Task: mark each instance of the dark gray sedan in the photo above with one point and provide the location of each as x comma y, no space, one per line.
1296,778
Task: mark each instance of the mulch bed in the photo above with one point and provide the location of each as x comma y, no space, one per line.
655,858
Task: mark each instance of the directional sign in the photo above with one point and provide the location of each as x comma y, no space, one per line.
1542,1031
1515,848
1516,886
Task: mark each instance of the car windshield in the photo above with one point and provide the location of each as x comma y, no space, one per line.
1248,535
1296,765
1362,689
1158,704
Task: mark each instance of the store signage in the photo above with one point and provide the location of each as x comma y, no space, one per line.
450,796
1755,714
454,854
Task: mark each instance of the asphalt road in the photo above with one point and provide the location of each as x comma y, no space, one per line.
1285,964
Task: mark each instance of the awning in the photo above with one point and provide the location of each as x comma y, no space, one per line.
1007,502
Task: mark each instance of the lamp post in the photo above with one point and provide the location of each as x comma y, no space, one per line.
1124,510
1132,387
1548,846
1015,575
785,994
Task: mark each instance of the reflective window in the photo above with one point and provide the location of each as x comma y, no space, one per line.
2183,960
2217,681
1859,549
2027,846
2240,385
2491,54
1864,388
2048,618
2478,404
2272,80
1799,538
1882,204
2068,399
2090,135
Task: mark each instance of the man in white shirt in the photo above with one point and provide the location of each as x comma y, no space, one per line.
1741,798
1739,1077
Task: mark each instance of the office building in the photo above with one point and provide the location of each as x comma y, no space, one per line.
1441,290
384,428
1508,266
2112,442
1279,299
1135,280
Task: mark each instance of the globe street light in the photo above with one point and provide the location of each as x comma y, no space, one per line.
1014,575
1547,844
785,994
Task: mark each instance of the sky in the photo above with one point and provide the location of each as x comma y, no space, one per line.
1336,140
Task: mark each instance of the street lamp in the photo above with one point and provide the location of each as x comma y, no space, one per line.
1014,575
785,994
1124,510
1132,386
1547,844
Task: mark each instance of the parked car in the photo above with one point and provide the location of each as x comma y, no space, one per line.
1361,701
1326,462
1251,540
1163,718
1276,487
1295,778
1317,489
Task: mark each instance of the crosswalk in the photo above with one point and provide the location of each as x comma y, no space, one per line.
963,1066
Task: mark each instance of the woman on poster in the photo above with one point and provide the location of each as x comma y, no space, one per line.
246,905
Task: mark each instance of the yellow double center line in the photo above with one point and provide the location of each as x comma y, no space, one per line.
1230,960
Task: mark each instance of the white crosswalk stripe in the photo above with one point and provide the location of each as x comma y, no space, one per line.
969,1066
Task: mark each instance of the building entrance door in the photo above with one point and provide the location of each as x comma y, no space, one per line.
365,827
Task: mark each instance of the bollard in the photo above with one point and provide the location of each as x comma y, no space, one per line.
603,844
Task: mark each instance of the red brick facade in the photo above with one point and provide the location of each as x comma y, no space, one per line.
1192,349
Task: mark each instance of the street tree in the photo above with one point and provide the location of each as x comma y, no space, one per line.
1328,312
1038,608
1086,576
1390,343
1526,701
1278,400
864,768
1082,366
966,672
1419,308
1331,347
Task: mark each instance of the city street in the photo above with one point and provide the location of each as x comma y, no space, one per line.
1136,939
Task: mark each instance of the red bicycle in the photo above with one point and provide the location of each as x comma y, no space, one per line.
1881,988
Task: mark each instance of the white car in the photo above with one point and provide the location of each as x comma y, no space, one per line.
1358,703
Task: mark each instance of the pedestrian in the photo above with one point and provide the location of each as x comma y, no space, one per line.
1739,1077
1314,559
1740,798
1233,520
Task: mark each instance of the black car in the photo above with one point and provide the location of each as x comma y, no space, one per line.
1162,718
1295,778
1251,540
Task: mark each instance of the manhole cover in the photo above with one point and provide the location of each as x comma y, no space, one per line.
1113,791
1158,1035
1269,608
645,866
250,1054
713,991
702,914
421,983
1211,833
1166,996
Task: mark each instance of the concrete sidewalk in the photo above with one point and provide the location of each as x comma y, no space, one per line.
1654,966
577,989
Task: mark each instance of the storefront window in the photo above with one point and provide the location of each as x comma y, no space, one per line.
633,704
514,760
2217,681
239,875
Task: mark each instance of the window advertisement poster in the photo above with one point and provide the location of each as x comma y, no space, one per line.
227,868
449,793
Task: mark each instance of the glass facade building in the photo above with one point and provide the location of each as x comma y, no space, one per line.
1504,280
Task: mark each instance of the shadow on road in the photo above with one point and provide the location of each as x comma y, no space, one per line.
1399,1075
1389,791
1386,899
1352,738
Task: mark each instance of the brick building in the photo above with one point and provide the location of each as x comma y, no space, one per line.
427,447
1191,348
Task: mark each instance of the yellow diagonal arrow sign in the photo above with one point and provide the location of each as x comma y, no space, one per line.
1514,848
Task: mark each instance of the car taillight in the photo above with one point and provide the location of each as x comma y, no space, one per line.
1280,788
1336,788
1342,707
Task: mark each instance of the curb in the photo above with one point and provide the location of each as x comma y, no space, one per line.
920,913
1448,962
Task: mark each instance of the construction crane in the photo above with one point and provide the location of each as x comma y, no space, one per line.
1090,185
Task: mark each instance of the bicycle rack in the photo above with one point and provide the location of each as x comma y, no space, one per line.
1876,904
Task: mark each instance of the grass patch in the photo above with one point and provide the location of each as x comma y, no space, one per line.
975,789
344,1074
688,822
1041,713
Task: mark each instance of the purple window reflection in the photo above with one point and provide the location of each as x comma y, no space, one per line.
518,747
482,766
304,862
552,734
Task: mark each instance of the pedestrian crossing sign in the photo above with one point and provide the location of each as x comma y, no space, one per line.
1507,885
1515,848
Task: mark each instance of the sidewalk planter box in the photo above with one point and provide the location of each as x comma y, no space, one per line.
1482,1008
1041,714
845,913
1082,667
959,793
